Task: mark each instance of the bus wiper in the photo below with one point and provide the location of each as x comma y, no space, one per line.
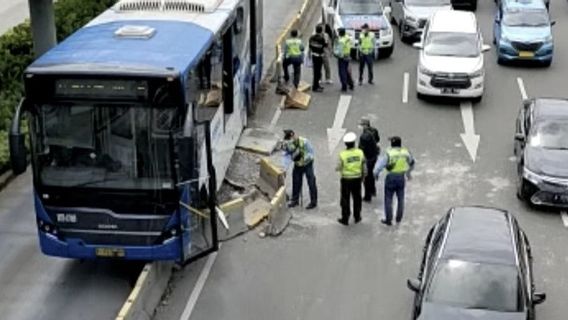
95,182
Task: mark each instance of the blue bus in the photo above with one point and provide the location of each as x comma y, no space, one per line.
133,120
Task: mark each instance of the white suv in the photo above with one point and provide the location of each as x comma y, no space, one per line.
451,56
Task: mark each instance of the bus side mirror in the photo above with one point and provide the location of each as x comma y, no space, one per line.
18,152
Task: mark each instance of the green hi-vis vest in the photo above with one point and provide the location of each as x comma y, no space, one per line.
367,43
293,48
343,49
352,163
398,160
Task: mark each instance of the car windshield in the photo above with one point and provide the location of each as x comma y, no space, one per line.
360,7
550,134
452,44
427,3
475,286
116,147
526,18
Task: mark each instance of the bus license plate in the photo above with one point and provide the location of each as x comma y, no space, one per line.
450,91
526,54
109,252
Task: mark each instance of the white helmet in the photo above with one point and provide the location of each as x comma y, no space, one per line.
350,137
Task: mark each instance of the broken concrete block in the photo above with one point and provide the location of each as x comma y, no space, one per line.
255,212
270,178
258,140
304,86
279,216
297,99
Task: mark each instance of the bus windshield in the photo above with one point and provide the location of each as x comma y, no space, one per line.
113,147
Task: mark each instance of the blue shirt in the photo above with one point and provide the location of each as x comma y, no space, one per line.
384,161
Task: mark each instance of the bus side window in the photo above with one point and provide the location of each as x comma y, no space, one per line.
204,83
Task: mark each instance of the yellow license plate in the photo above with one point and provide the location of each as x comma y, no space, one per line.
109,252
526,54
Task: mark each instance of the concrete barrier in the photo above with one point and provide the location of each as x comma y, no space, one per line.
147,293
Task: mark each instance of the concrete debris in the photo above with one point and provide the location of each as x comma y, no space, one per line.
258,140
256,212
297,99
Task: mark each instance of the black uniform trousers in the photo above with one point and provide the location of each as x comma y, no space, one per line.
296,62
350,188
317,62
369,181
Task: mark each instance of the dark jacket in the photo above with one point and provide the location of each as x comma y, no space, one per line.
368,142
317,44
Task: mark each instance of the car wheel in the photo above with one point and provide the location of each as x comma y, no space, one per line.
386,52
500,61
400,33
477,99
473,6
547,63
420,96
524,190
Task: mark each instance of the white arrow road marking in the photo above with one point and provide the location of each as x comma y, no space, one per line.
521,84
470,139
198,287
564,216
336,132
277,114
405,83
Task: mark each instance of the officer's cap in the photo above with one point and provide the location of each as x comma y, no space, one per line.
350,137
288,133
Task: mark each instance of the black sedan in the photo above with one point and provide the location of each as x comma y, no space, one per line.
477,264
541,150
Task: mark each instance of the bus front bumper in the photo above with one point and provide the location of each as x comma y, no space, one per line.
76,249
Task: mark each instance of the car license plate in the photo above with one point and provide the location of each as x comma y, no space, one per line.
109,252
526,54
450,91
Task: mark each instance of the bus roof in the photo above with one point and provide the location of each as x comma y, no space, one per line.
179,38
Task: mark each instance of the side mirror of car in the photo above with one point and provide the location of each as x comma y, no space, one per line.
413,284
552,23
418,45
485,48
539,297
497,20
520,137
387,10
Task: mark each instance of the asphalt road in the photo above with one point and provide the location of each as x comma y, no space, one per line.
321,270
12,12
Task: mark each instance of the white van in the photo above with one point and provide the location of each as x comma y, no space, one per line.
451,56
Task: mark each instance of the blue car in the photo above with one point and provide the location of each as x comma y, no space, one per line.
522,32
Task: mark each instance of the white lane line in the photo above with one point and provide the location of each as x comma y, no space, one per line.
521,84
198,287
405,81
564,216
275,118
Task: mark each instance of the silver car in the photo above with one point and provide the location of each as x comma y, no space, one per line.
411,15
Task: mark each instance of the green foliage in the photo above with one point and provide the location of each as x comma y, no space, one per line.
16,53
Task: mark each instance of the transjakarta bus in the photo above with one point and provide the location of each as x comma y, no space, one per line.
133,121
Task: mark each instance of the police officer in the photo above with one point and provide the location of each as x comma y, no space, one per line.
351,166
342,51
302,153
317,44
369,143
367,50
293,55
399,163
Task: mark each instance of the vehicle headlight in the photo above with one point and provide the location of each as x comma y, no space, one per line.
531,176
548,38
425,71
478,73
386,32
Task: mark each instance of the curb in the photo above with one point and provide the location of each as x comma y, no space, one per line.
147,293
5,179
